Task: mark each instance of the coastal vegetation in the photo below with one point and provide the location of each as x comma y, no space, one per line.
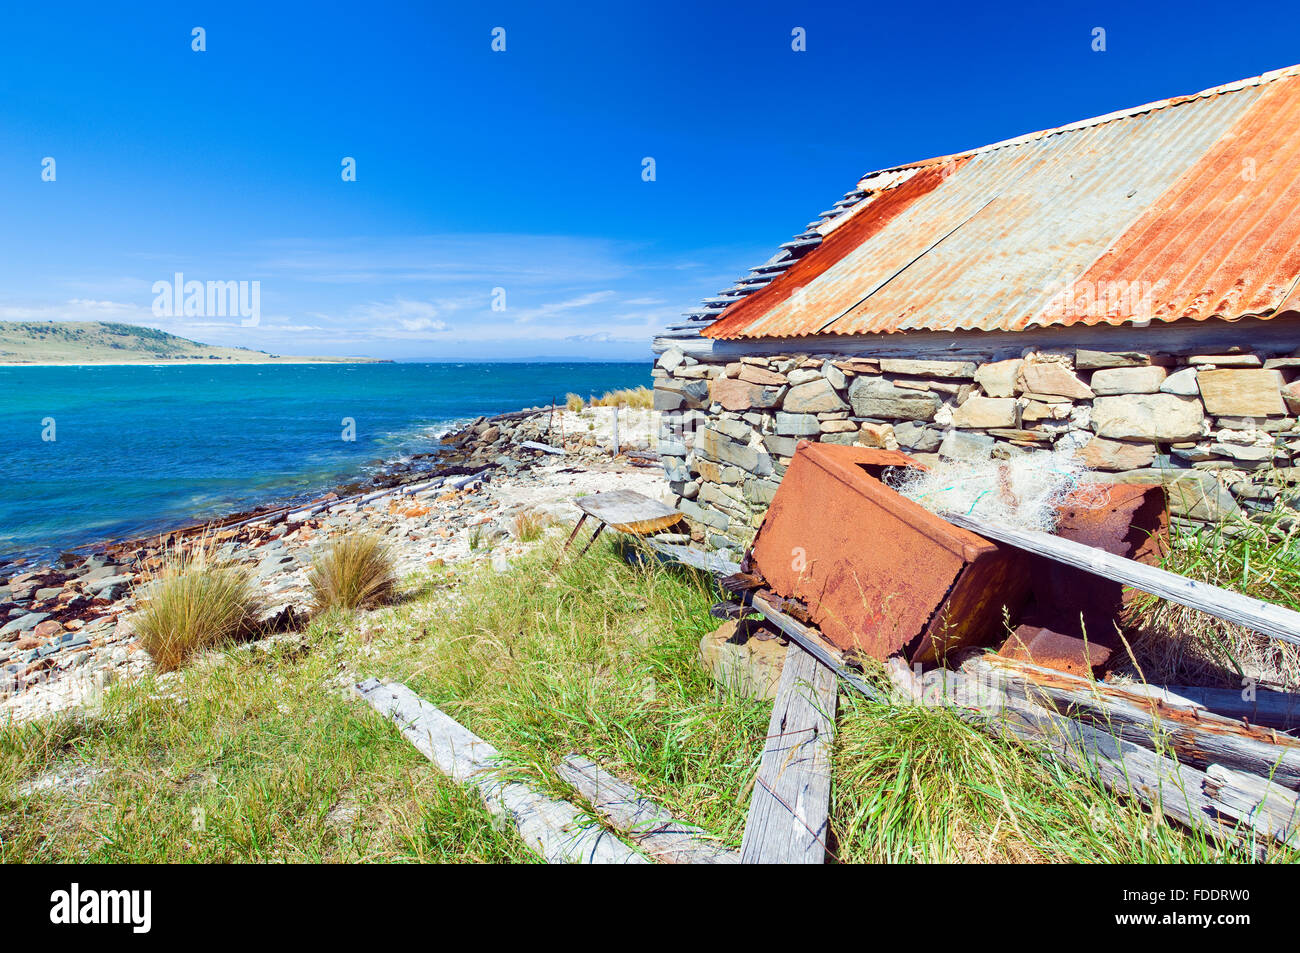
108,342
355,572
640,397
195,601
261,752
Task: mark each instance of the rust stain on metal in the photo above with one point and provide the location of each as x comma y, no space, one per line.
880,210
1181,209
879,573
1065,653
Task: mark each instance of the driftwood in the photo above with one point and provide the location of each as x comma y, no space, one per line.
644,822
787,822
1263,617
1228,812
543,447
1194,736
810,641
556,830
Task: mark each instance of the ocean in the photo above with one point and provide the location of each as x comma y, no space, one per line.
93,453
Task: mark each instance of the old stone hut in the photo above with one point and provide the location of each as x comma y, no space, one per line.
1124,286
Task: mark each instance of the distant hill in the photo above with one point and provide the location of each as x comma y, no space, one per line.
105,342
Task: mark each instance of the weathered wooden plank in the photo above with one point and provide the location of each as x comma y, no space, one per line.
1193,736
1259,706
556,830
647,824
788,813
1266,807
1185,794
810,641
543,447
1265,618
628,511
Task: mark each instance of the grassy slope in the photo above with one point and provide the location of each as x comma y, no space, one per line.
279,763
101,342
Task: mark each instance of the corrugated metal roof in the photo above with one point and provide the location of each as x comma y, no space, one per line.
1148,214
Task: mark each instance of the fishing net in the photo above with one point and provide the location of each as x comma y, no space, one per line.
1023,491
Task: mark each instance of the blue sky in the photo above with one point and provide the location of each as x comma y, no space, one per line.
518,170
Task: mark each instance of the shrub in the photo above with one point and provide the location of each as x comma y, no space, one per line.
195,601
356,572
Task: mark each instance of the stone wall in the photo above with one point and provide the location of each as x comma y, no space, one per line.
1219,430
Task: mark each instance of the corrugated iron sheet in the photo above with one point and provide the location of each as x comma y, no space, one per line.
1158,202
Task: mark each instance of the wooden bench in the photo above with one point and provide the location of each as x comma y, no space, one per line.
624,510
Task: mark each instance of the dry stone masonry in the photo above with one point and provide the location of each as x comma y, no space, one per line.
1219,431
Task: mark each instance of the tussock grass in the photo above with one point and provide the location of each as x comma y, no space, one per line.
195,601
573,402
529,525
1257,555
355,572
642,397
599,657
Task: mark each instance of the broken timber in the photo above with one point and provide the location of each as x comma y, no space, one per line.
1262,617
787,821
555,830
652,828
1231,808
1198,738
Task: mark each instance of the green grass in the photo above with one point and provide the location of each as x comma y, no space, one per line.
1258,555
269,750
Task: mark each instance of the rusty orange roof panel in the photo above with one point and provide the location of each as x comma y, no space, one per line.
1154,213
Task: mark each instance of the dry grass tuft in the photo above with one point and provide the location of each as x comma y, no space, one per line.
530,525
356,572
573,402
1258,556
195,601
627,397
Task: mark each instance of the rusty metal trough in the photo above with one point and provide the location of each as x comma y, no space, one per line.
883,576
880,574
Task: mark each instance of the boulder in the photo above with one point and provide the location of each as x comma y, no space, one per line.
1291,396
735,394
797,425
745,656
928,368
980,413
760,375
875,397
1151,417
1241,392
879,436
998,379
1104,454
917,437
816,396
1128,380
1052,378
1086,360
961,445
1183,383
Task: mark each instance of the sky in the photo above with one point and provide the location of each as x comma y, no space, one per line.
502,207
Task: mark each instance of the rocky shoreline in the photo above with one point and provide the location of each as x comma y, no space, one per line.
65,628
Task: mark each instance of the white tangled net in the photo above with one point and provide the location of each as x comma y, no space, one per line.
1023,491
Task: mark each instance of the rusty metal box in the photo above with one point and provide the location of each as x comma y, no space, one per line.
879,573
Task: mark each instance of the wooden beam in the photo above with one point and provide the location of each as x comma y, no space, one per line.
1194,737
788,813
648,825
810,641
1248,813
1263,617
555,830
1259,706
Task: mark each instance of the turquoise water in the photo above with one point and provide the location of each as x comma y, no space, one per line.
138,449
